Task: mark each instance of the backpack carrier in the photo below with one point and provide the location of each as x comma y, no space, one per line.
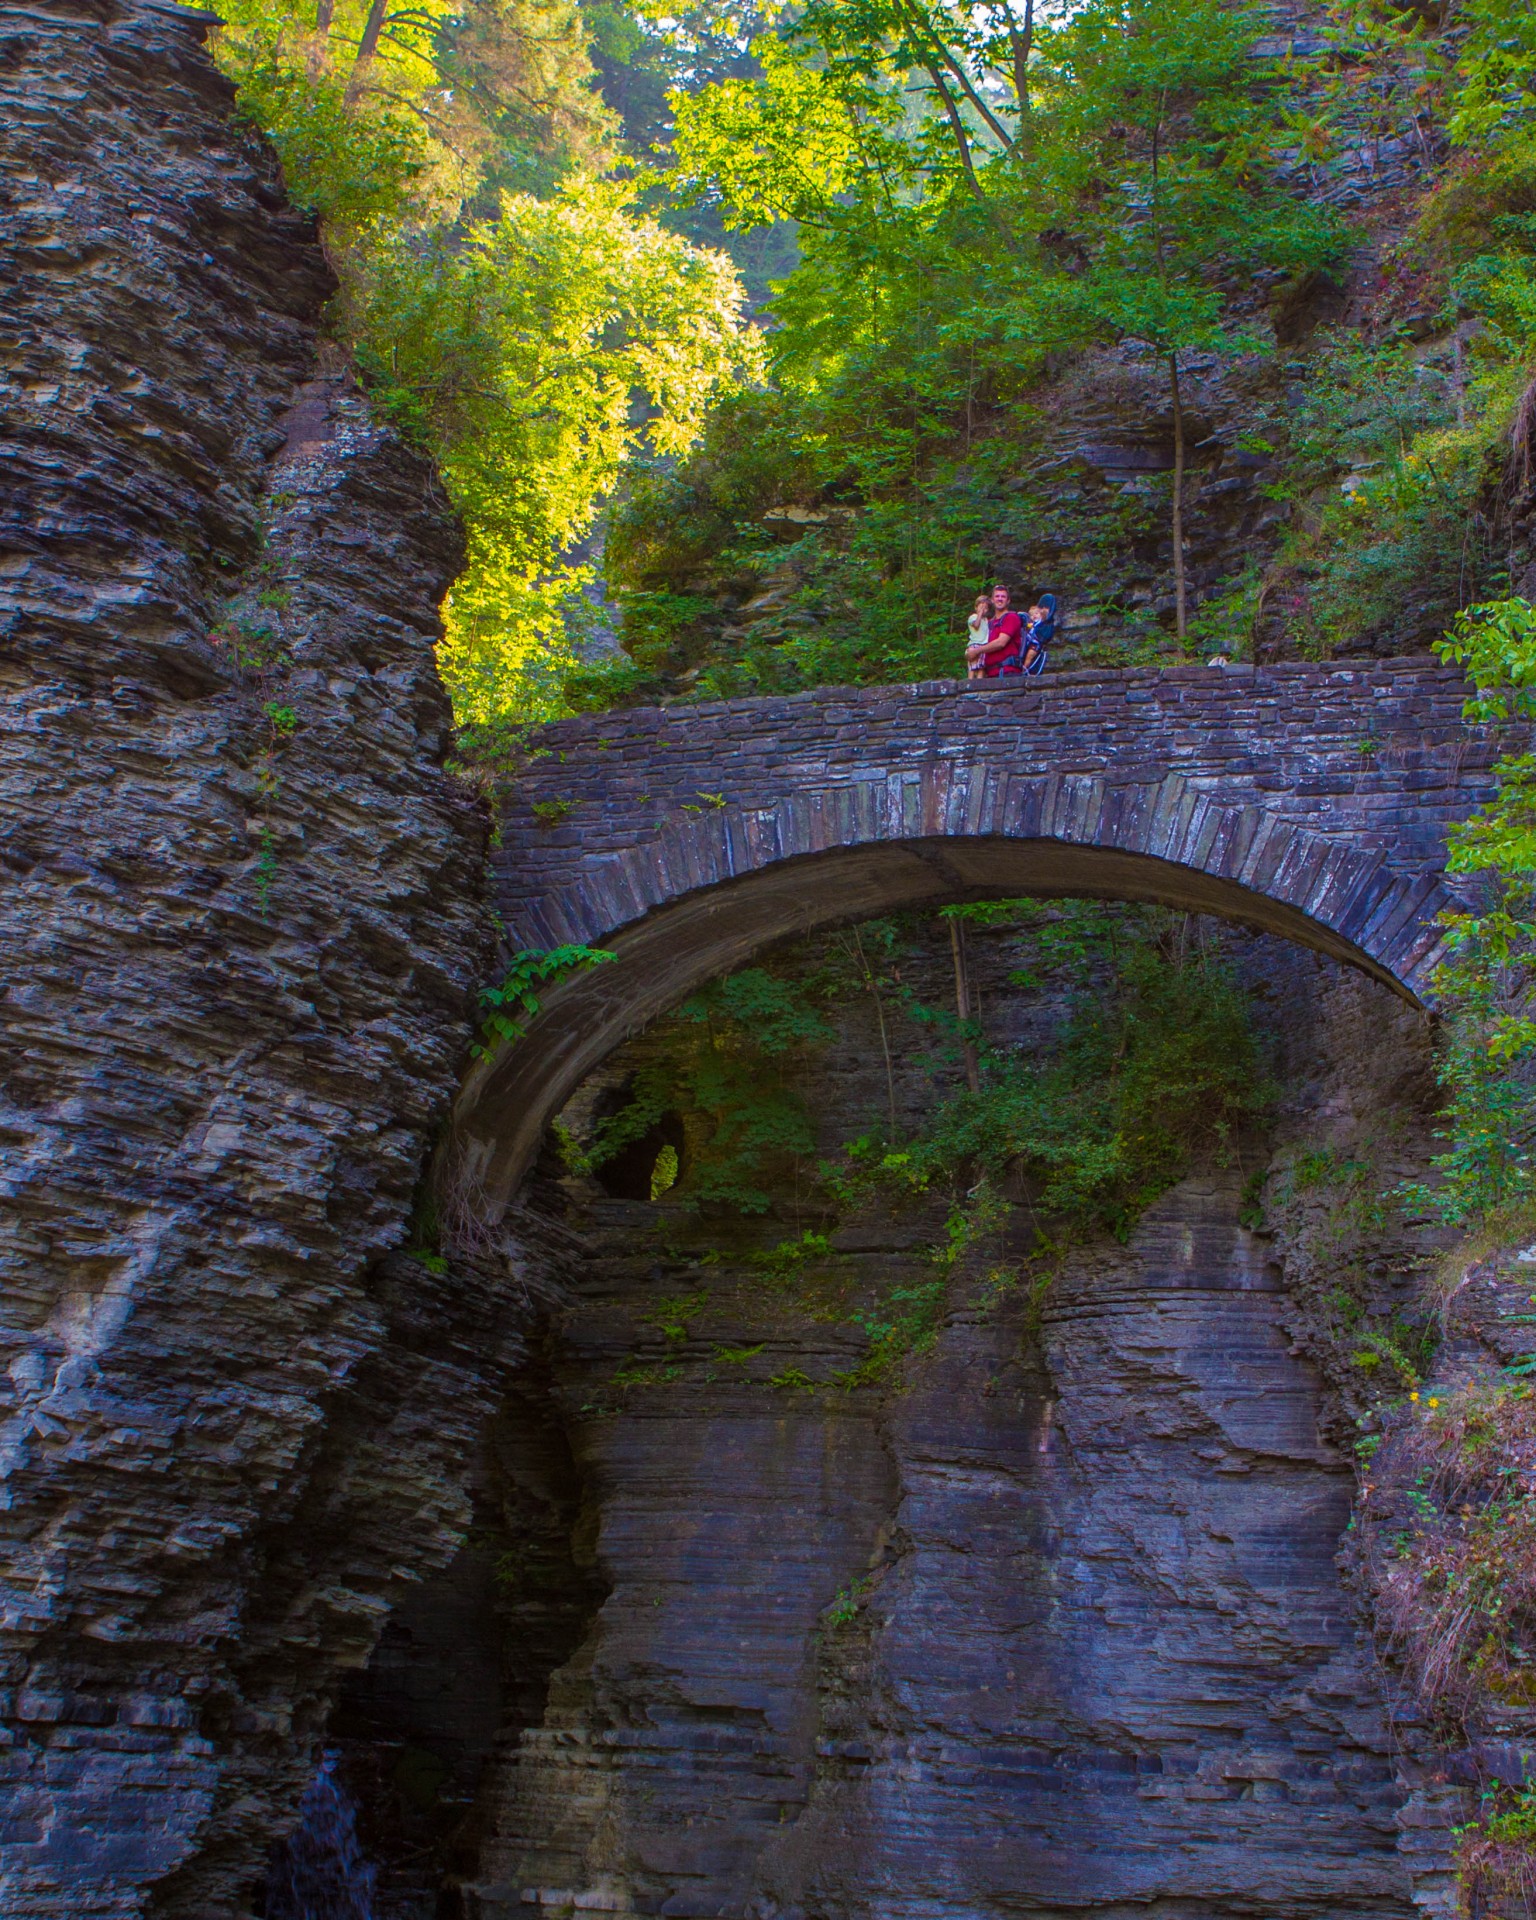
1040,639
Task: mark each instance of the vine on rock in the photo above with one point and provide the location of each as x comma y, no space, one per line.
510,1006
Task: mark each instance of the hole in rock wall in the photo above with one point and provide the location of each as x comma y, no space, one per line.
641,1165
930,1497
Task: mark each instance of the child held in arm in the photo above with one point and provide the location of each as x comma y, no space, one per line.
976,629
1038,634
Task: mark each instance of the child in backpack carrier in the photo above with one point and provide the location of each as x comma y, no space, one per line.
1038,635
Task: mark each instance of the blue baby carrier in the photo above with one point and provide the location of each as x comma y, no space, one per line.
1040,638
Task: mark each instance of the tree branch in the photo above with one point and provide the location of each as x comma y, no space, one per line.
957,127
1023,43
924,30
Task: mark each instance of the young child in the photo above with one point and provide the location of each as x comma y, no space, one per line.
1038,632
977,627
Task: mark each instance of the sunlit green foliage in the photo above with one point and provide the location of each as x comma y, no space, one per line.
974,194
517,347
410,112
507,304
956,245
1487,1062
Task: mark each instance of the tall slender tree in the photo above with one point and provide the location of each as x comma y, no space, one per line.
1123,156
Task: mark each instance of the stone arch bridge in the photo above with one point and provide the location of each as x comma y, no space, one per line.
1307,801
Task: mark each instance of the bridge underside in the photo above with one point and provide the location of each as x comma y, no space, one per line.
666,954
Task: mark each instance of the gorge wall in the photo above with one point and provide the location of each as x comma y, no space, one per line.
241,930
1052,1621
644,1610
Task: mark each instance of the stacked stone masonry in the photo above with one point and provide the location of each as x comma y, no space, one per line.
1308,801
1329,790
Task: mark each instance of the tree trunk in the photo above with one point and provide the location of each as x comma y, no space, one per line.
367,47
319,51
1181,614
963,1004
1023,45
873,984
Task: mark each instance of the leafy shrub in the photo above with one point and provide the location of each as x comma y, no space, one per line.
1399,541
508,1007
1496,1852
1457,1586
354,166
1158,1062
1487,1055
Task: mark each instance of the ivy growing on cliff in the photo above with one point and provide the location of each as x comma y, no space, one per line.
1157,1063
1487,1059
729,1068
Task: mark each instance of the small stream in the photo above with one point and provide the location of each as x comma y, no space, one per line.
318,1872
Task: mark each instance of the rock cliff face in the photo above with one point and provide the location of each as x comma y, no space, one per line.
1053,1622
1057,1623
241,933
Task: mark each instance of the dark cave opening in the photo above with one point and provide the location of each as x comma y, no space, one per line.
648,1167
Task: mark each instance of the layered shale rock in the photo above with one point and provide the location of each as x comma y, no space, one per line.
1052,1621
1058,1619
241,934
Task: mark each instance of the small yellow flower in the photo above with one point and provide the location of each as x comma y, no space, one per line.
1413,1396
1433,1402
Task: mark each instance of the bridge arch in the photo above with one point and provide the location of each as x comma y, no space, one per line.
1307,802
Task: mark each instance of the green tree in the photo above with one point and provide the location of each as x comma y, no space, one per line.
1166,140
1487,1064
532,340
977,189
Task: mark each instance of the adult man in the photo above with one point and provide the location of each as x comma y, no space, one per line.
1005,637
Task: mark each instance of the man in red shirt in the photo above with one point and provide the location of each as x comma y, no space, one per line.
1005,638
